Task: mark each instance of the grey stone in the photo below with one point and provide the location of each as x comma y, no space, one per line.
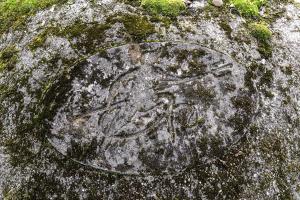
185,107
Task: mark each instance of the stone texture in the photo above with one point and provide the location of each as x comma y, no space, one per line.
117,104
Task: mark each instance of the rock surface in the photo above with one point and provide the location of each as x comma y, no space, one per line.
217,3
102,100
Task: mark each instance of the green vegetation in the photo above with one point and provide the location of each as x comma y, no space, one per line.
138,27
13,13
259,78
260,31
90,36
8,58
226,27
263,35
40,39
248,8
170,8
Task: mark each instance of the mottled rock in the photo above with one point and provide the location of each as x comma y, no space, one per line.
103,100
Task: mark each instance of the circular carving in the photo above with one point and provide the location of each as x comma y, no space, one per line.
140,108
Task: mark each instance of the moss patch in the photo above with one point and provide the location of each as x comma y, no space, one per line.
248,8
166,21
8,58
263,34
40,39
260,31
165,7
88,35
14,13
259,78
138,27
226,27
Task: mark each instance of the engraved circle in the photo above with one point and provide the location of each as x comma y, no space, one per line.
140,108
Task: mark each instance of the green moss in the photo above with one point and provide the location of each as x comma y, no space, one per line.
196,53
83,150
243,103
14,13
265,49
166,21
267,78
248,78
8,58
263,35
182,55
37,42
245,108
206,95
9,193
88,36
264,79
138,27
274,151
227,29
166,7
40,39
39,186
268,94
248,8
288,70
132,2
229,164
260,31
259,78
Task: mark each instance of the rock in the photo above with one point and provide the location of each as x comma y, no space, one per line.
217,3
103,100
140,106
197,4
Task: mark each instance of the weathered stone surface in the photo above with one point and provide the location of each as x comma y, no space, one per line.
102,100
142,107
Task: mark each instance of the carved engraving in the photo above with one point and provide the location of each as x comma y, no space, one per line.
158,98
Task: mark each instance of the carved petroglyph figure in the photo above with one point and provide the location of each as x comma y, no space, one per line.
140,108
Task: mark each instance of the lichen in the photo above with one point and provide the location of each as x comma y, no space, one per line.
166,7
